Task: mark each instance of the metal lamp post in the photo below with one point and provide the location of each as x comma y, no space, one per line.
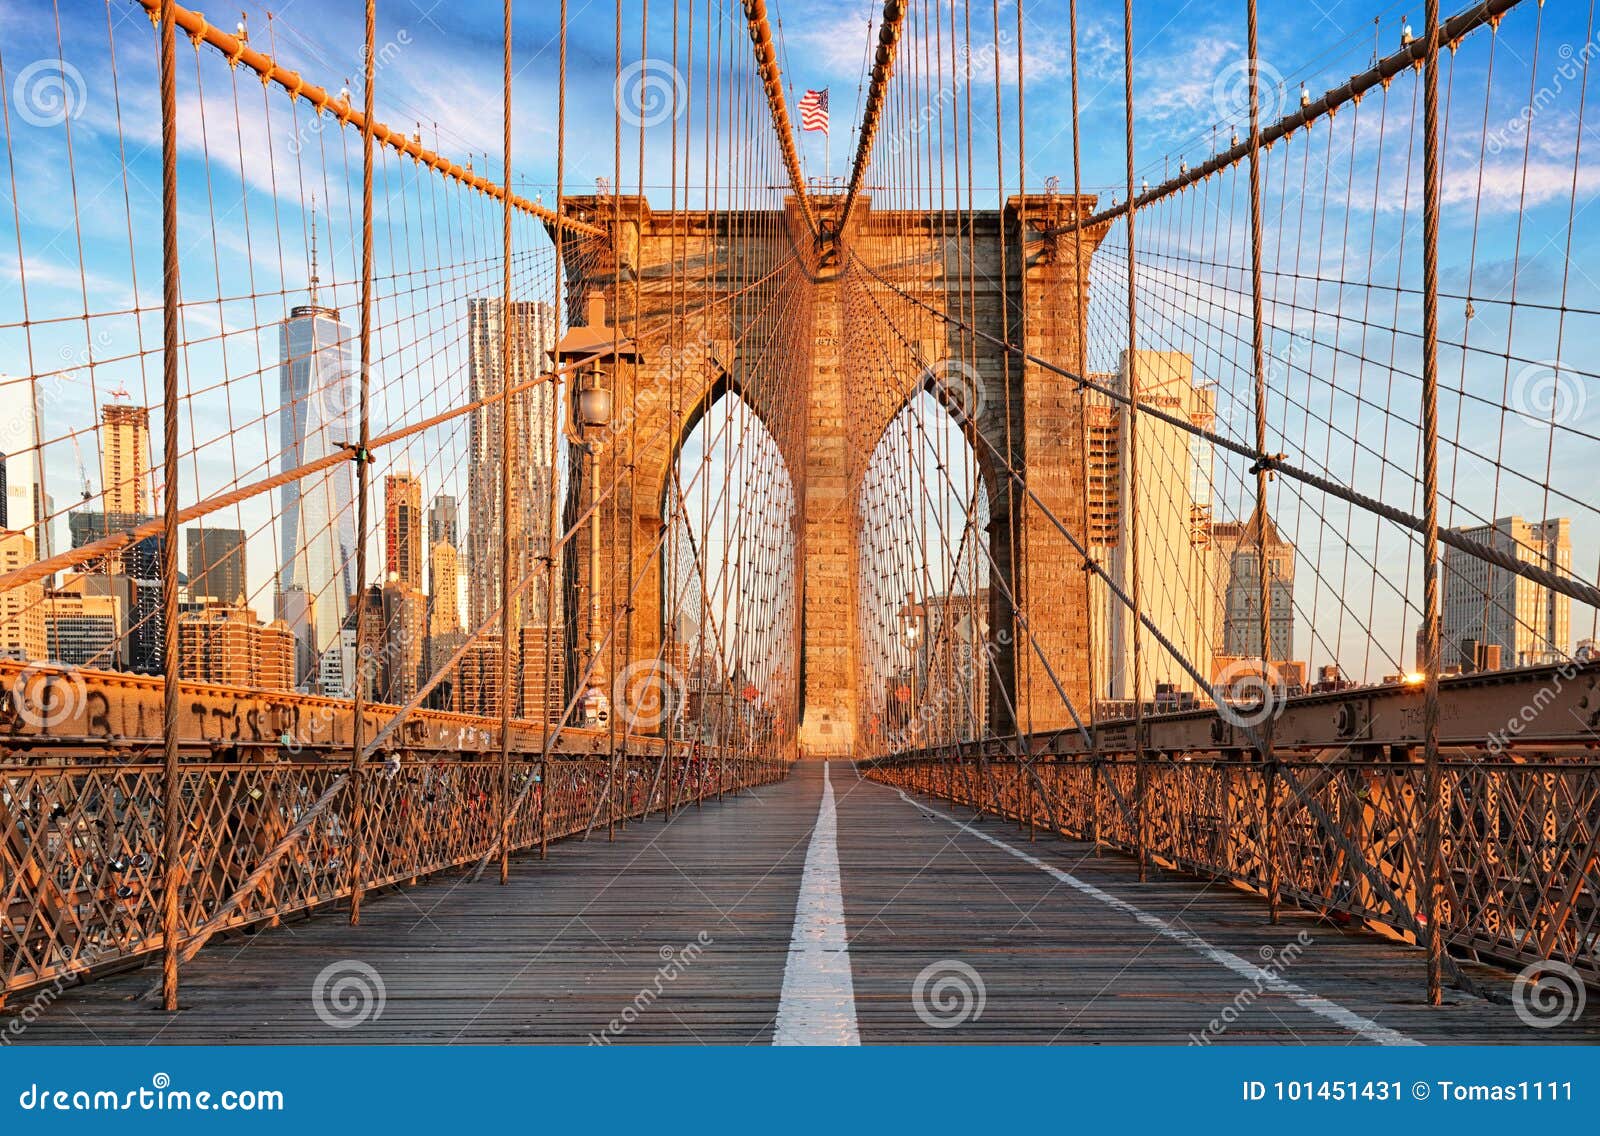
594,350
911,629
591,410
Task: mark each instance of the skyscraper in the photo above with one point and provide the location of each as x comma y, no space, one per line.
444,575
124,457
228,644
1173,504
1237,623
954,687
444,568
402,529
363,656
541,694
24,506
124,471
443,520
531,458
440,650
147,617
22,634
477,689
216,565
317,540
83,628
1485,606
404,616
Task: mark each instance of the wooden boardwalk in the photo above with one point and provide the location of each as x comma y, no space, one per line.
682,933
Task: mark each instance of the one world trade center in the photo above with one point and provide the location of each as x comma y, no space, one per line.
316,565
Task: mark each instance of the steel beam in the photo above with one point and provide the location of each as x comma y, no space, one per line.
84,710
1495,712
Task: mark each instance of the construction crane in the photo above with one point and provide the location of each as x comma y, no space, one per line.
77,449
83,469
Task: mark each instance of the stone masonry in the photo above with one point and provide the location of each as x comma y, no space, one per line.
793,341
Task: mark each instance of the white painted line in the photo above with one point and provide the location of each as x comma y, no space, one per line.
1264,979
818,1004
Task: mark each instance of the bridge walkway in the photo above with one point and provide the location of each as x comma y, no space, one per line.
724,926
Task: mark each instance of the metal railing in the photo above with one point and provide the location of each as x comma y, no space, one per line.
82,830
1520,879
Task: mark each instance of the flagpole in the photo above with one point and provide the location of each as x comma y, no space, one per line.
814,116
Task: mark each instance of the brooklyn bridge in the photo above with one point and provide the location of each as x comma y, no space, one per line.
500,542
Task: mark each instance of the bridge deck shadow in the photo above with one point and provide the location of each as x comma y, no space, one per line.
680,932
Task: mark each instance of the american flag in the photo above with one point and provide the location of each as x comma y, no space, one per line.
814,110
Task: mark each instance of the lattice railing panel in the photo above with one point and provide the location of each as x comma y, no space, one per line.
80,845
1521,881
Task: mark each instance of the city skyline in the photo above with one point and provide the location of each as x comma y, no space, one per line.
1472,597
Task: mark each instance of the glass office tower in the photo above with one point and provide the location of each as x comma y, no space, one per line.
317,537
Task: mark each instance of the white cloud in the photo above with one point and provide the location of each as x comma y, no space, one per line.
1183,89
1510,186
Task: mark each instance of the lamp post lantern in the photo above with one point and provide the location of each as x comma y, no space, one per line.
911,628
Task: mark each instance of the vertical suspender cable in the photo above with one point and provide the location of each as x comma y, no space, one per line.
172,829
363,480
615,315
623,611
1258,359
1019,575
552,662
1081,338
666,652
1432,795
507,623
1141,774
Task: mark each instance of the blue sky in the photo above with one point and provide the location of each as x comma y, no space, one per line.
447,67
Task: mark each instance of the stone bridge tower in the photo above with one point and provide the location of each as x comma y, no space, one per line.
999,267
